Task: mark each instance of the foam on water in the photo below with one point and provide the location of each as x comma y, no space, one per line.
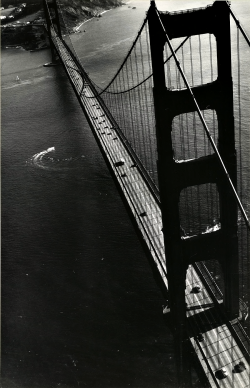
47,160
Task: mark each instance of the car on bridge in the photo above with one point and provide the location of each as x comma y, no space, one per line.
221,374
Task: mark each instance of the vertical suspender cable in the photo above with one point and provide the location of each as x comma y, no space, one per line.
141,129
241,252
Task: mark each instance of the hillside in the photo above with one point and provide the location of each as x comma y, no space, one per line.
24,24
73,11
76,11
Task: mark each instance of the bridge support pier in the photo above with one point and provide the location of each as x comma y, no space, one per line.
221,245
52,20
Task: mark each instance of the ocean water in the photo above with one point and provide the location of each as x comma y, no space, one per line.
80,307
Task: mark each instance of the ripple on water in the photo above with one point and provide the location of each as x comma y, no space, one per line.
47,160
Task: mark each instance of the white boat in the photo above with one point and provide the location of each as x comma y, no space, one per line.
50,64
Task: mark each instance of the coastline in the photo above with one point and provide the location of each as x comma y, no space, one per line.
71,28
75,29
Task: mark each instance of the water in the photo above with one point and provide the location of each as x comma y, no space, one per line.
80,305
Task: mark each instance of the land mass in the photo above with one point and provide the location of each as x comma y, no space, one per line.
22,24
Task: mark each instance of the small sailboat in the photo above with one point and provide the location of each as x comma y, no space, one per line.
17,78
165,309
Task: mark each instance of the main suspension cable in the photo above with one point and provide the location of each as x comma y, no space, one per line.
127,56
144,80
238,24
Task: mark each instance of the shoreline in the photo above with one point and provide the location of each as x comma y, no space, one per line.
85,21
76,29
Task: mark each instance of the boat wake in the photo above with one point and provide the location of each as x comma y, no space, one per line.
16,84
47,160
19,82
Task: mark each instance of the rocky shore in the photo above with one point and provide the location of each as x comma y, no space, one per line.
75,12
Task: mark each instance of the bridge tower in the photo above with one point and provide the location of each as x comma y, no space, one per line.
221,245
52,19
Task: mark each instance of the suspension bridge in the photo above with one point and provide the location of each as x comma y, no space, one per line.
173,130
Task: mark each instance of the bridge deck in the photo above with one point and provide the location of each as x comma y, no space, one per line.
219,348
